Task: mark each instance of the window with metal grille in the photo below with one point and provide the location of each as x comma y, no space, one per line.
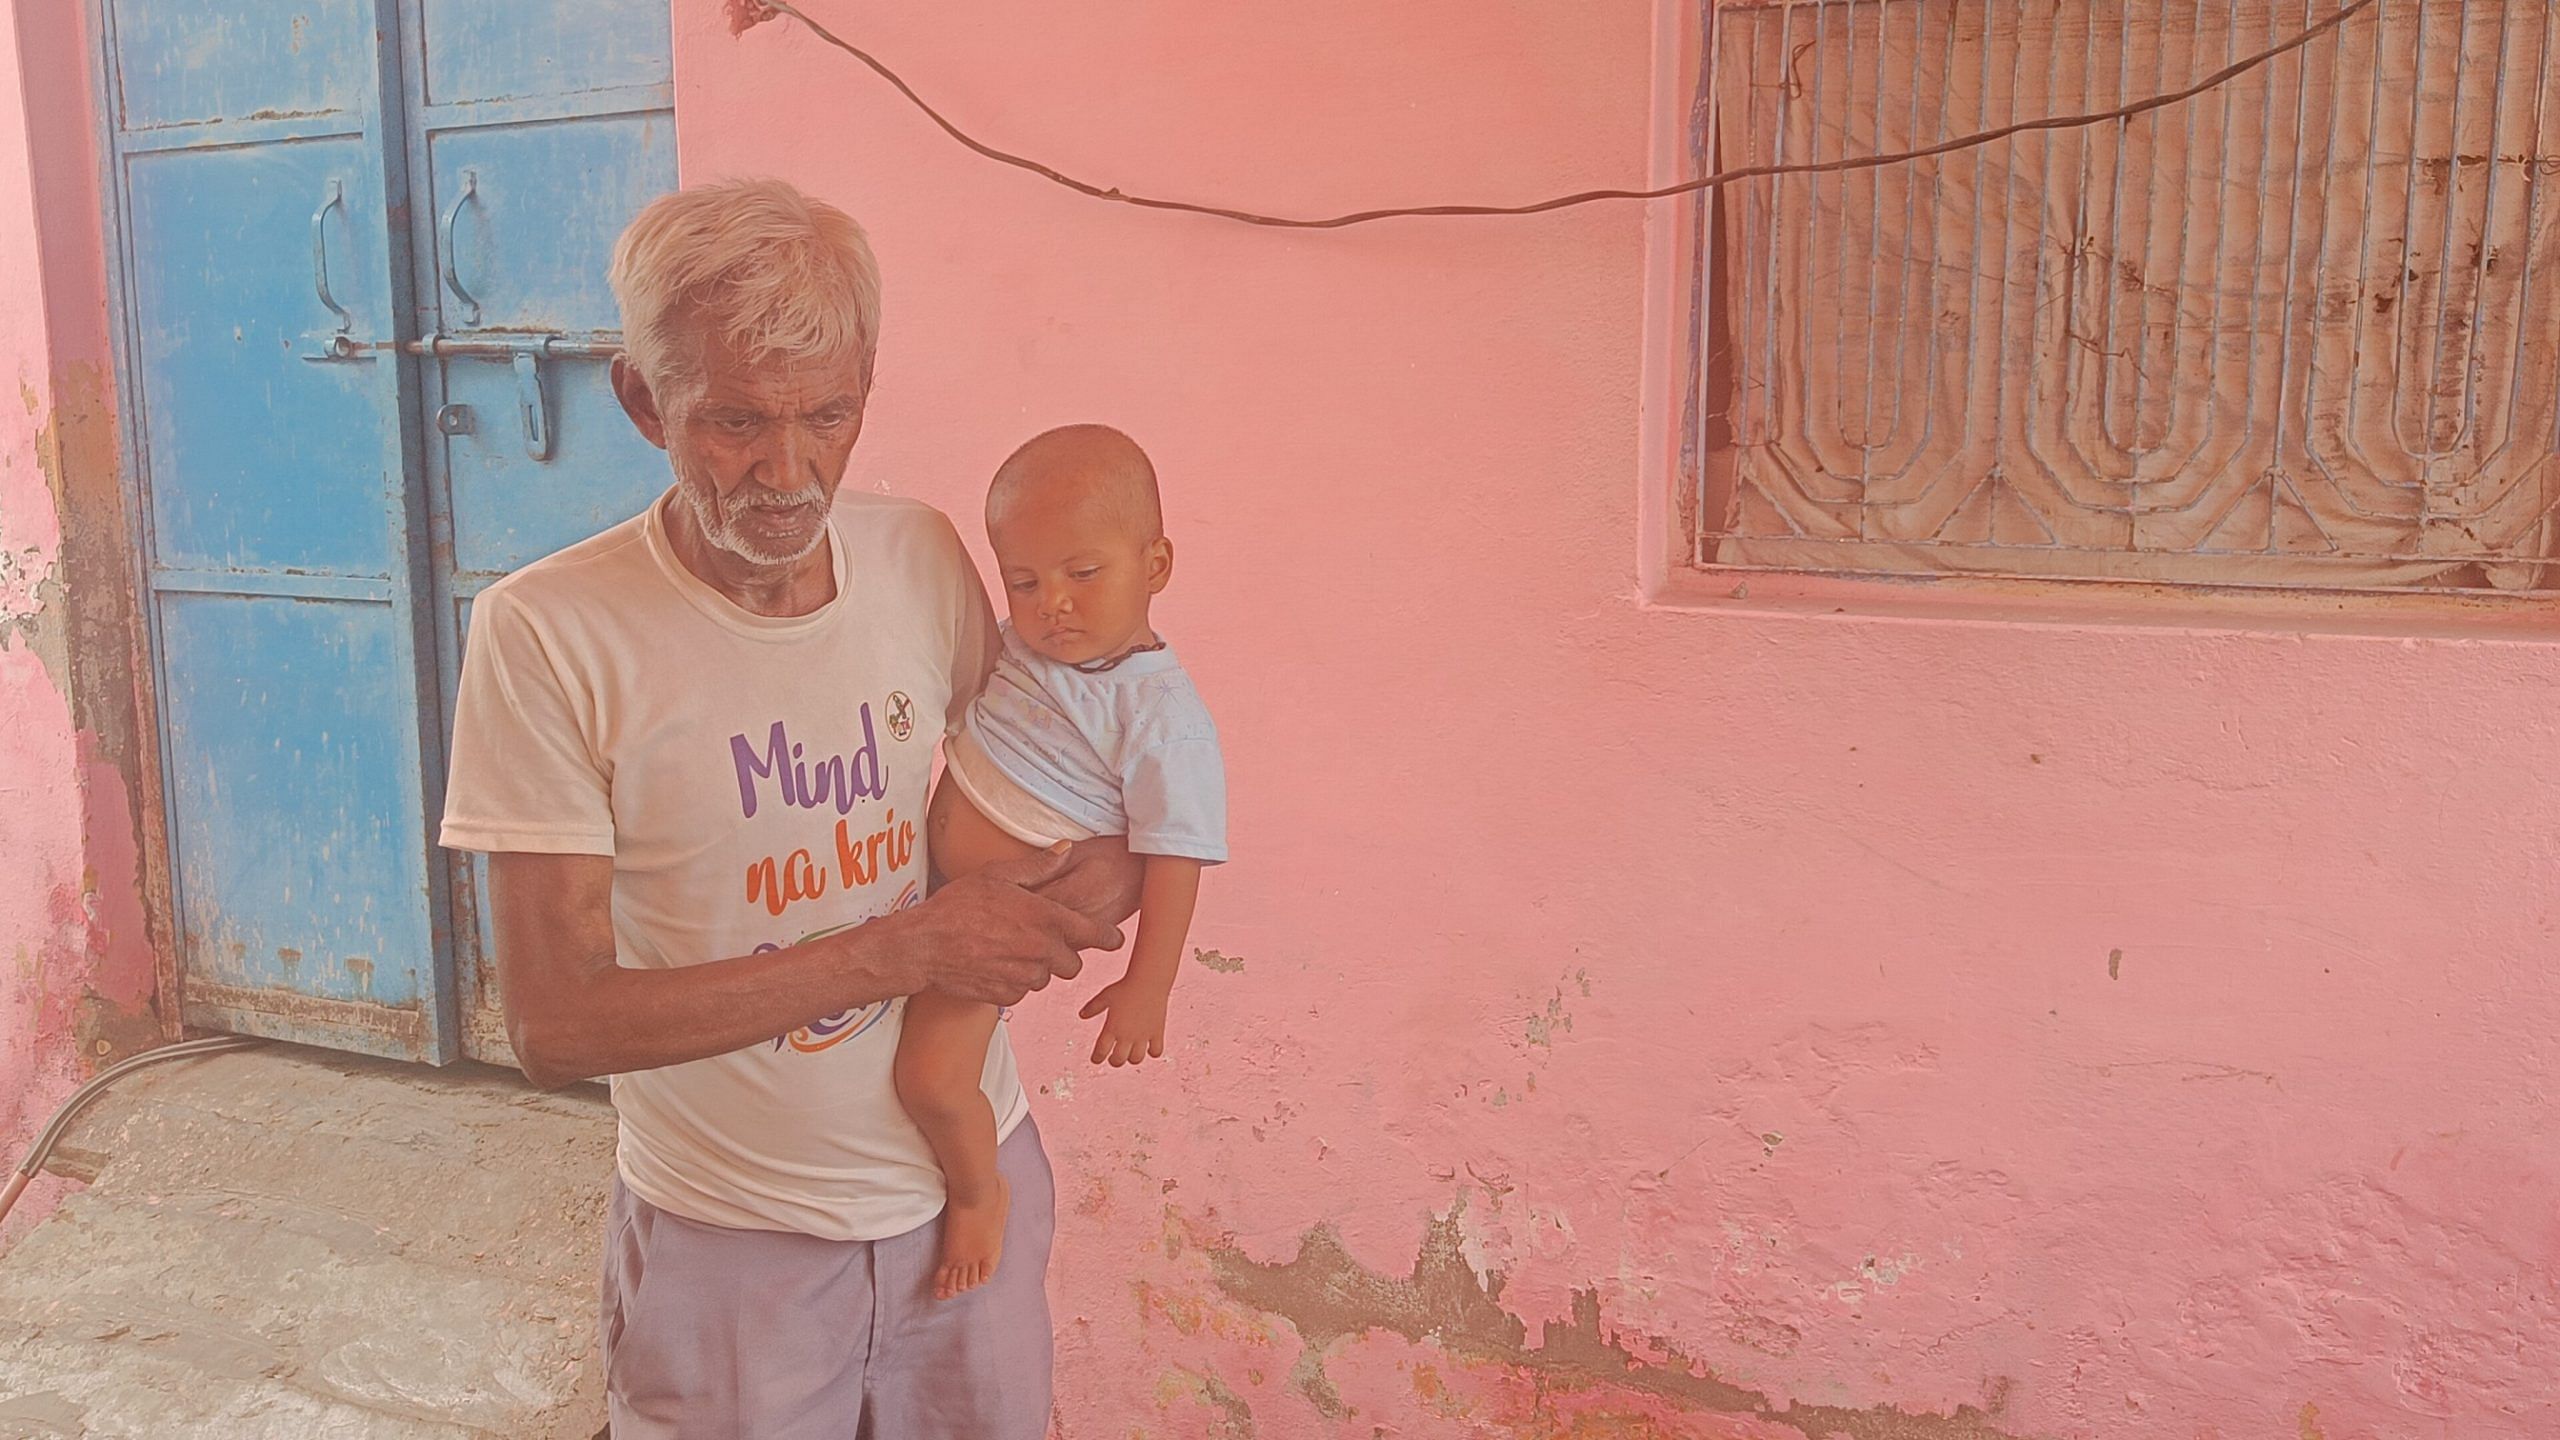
2302,331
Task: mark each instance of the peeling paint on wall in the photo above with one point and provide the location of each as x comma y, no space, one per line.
84,992
745,15
81,989
1327,1296
1233,1419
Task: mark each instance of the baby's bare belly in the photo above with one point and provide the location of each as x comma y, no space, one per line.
960,839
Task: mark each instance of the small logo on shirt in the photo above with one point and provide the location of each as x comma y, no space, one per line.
902,715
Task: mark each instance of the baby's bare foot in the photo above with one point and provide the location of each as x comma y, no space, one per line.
972,1239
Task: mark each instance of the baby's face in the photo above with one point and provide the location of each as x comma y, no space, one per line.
1076,580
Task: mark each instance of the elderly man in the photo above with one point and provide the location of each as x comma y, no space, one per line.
695,749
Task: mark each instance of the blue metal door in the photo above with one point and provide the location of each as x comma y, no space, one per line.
257,165
351,235
542,127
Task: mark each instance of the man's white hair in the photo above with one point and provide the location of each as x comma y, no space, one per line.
754,263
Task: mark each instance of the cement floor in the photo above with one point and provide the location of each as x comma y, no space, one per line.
284,1243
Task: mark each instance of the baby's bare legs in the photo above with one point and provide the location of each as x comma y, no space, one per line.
942,1051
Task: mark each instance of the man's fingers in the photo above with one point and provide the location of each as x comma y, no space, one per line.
1017,976
1078,931
1095,1006
1086,933
1030,870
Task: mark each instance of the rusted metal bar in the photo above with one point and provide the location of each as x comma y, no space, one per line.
591,345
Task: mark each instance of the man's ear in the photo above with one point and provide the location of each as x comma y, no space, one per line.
638,402
1159,565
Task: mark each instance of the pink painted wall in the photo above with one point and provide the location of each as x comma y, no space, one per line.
1644,1018
76,966
1628,1016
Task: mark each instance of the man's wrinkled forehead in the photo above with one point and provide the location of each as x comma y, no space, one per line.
721,373
780,390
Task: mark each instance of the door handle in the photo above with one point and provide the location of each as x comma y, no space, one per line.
452,272
337,200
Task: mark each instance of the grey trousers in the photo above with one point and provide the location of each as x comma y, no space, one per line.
719,1334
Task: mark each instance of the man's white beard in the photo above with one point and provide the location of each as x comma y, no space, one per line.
718,518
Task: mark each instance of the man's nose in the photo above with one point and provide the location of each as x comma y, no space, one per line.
789,461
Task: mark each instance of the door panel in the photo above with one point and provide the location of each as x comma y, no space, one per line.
510,510
281,523
508,49
548,199
294,801
549,123
531,247
261,459
191,61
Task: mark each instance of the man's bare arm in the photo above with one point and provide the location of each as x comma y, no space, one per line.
573,1012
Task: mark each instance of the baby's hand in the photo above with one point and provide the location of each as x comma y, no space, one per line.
1134,1029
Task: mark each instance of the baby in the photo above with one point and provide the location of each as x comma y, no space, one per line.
1087,727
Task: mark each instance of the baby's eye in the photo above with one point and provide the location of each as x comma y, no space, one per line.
1022,587
1084,574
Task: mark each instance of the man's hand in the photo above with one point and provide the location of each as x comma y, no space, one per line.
1133,1030
988,937
1100,880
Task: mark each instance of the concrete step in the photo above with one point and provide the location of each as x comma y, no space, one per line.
287,1243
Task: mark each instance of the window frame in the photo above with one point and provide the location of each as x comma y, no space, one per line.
1681,259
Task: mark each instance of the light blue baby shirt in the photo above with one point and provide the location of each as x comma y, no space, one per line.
1129,750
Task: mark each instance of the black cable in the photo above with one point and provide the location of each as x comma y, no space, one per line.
79,1099
2218,78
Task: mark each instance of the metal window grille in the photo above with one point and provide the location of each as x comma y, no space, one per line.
2302,331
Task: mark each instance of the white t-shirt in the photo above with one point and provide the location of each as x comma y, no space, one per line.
1052,750
757,781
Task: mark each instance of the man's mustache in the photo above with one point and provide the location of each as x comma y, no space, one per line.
763,499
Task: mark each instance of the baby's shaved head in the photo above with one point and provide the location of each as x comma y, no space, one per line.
1080,464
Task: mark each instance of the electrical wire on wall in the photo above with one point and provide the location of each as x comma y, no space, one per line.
2218,78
